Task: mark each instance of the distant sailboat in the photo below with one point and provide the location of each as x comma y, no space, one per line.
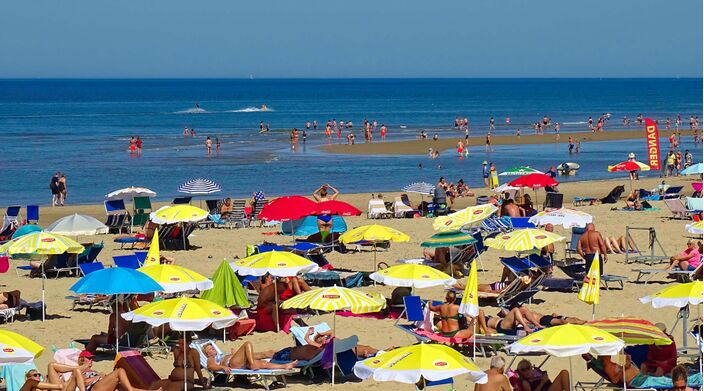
251,77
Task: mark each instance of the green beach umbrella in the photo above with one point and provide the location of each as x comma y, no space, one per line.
517,171
227,290
449,239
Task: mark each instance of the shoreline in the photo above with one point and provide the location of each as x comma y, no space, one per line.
420,147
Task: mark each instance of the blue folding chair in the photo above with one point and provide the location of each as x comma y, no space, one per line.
128,261
519,266
413,309
90,254
181,200
141,256
87,268
521,222
33,214
12,214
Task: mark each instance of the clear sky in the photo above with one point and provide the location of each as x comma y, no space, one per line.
351,38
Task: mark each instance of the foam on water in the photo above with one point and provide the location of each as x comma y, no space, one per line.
251,109
194,110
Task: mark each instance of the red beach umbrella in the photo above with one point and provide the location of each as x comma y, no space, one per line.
287,208
534,181
336,208
631,165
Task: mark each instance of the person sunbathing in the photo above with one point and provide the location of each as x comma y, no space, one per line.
618,245
617,372
225,208
244,358
534,379
449,314
9,299
538,319
500,286
33,379
688,259
192,366
294,286
111,337
96,381
508,324
315,344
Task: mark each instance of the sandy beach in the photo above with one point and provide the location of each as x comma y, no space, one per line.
214,245
449,140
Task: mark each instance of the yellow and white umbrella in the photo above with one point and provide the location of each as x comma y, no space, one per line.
43,243
153,256
182,213
525,239
678,295
411,364
695,228
276,263
470,298
373,233
413,275
455,221
569,340
568,218
17,349
589,293
174,278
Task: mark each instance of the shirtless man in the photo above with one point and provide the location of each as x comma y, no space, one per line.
267,312
496,379
509,208
589,244
548,252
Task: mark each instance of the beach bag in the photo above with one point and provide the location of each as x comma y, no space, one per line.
34,310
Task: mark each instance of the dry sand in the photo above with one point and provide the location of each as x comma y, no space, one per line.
419,147
214,245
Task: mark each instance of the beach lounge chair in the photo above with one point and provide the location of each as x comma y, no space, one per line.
118,217
128,261
571,245
636,256
580,201
62,266
521,222
213,206
682,275
142,208
89,300
141,256
238,216
8,314
256,209
401,209
495,224
678,209
376,209
32,214
265,376
12,214
343,348
90,254
577,271
672,192
136,337
181,200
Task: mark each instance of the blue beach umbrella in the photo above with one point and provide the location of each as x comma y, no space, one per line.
26,229
693,169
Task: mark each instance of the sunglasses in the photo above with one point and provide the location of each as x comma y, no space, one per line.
35,374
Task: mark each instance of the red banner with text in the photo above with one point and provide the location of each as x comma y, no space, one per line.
652,137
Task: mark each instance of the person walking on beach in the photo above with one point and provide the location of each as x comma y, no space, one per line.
54,187
589,245
590,124
209,146
62,189
383,132
488,142
485,173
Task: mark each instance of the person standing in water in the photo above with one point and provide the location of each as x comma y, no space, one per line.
139,146
491,123
209,146
488,142
217,146
133,145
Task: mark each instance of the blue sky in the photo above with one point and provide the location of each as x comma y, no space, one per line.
361,38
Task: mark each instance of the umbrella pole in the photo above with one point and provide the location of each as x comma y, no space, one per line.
185,360
117,325
374,268
183,234
276,300
593,310
43,298
334,356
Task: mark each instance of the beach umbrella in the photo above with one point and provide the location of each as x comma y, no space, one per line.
200,186
633,331
227,290
175,279
525,239
631,165
333,299
469,305
569,340
130,193
17,349
693,169
26,229
183,314
678,295
309,225
534,181
373,233
42,243
413,275
423,188
287,208
519,171
694,228
449,239
182,213
504,187
276,263
334,207
589,293
153,255
467,216
411,364
568,218
77,224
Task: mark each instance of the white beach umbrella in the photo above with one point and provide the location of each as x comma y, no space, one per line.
568,218
128,193
504,187
77,224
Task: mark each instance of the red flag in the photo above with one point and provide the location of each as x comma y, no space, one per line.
652,138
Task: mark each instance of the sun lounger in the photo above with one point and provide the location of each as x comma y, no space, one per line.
672,192
256,209
682,275
496,224
571,245
553,200
238,216
577,271
118,217
342,345
521,222
142,208
62,265
377,210
580,201
32,214
213,206
266,376
129,261
12,214
136,337
8,314
401,209
181,200
678,209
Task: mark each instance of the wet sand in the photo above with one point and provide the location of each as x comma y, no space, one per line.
449,139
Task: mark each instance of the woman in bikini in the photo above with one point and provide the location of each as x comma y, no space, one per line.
192,367
244,357
508,324
96,381
321,194
449,315
33,379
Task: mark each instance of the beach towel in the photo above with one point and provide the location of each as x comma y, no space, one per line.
630,209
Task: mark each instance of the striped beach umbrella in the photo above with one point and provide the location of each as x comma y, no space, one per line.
568,218
42,243
448,239
678,295
413,275
199,186
523,240
412,364
373,233
467,216
521,170
633,331
16,348
175,279
419,188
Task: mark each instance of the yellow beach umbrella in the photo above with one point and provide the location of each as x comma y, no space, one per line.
589,293
455,221
523,240
16,348
678,295
176,278
413,275
695,228
153,256
43,243
374,233
569,340
276,263
178,214
470,298
335,298
411,364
